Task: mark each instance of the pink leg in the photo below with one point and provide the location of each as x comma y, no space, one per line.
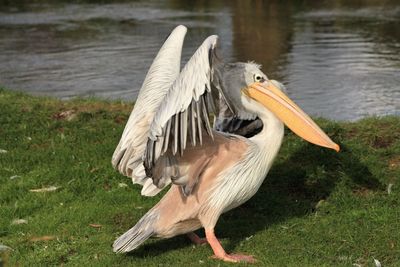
220,253
196,239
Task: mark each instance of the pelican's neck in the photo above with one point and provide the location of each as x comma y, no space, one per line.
269,140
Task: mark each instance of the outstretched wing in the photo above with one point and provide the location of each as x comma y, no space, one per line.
183,114
127,157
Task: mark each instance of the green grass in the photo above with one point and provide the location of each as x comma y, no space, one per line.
316,207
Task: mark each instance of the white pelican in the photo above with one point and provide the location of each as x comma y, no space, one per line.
169,139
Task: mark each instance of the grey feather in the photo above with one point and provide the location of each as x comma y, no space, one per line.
183,126
189,124
176,134
175,169
198,113
158,147
210,102
166,136
148,158
185,190
169,168
205,116
193,122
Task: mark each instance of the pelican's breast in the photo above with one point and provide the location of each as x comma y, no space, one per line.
239,183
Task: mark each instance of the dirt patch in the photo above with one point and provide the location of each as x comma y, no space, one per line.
42,238
109,107
120,119
64,258
26,109
382,142
39,146
352,132
363,192
69,111
67,115
394,163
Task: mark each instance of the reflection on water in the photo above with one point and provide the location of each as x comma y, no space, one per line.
338,60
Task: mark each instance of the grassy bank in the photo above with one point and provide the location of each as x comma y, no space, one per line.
316,208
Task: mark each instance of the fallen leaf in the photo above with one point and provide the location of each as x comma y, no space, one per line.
14,177
2,151
45,189
19,221
42,238
377,263
249,237
394,163
95,225
94,170
4,248
107,187
122,185
389,188
65,115
362,192
344,258
320,204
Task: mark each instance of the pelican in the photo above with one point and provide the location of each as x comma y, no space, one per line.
168,141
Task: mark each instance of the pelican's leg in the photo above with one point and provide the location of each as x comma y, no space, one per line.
196,239
220,253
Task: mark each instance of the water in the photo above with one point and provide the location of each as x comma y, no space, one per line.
338,59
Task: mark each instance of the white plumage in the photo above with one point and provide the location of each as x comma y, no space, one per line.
169,139
165,68
191,83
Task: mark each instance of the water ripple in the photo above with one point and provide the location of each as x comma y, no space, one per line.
339,63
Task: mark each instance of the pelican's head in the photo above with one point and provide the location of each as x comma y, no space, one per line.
249,94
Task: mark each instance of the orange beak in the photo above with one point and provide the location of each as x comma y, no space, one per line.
289,113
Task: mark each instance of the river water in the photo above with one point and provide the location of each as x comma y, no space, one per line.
338,59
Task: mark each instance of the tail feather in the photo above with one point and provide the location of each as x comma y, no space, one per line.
135,236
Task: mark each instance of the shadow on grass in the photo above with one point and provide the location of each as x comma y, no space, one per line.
292,189
159,246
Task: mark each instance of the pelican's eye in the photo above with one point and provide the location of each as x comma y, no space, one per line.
258,78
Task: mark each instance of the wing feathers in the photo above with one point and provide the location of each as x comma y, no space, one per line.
198,119
159,79
167,136
193,123
185,106
176,134
171,108
205,115
183,124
